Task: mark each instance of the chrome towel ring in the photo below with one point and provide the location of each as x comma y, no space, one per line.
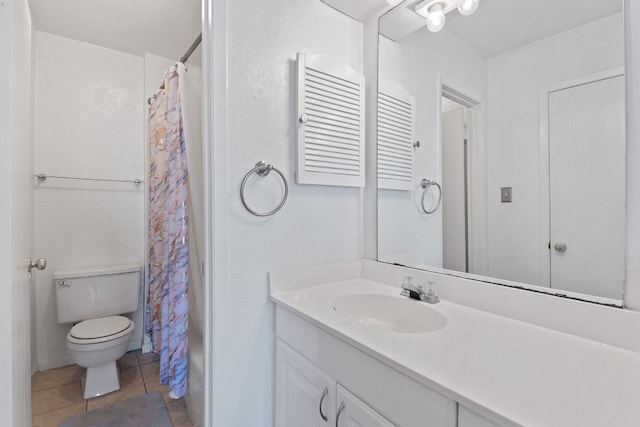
426,185
263,169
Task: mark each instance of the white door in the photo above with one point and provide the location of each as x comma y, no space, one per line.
305,396
16,214
587,188
353,412
454,208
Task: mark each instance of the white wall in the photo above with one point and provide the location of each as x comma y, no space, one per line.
417,63
16,238
318,224
514,81
89,122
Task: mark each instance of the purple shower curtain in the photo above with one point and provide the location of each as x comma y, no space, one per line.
167,300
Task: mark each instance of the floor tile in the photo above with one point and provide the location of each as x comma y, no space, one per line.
178,414
56,377
53,418
129,360
151,372
116,396
56,398
148,357
130,377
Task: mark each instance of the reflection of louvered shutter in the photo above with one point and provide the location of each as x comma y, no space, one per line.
395,137
330,112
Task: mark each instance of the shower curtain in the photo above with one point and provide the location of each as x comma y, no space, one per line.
191,102
168,239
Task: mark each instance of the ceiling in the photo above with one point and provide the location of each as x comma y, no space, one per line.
502,25
162,27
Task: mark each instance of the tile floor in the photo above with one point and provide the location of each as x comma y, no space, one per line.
57,393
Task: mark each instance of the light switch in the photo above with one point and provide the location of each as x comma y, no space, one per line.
505,194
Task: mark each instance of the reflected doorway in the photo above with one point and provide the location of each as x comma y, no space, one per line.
456,132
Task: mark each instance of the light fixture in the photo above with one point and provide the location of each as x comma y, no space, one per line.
435,10
394,2
435,18
467,7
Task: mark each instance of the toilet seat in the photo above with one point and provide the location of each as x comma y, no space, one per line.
103,329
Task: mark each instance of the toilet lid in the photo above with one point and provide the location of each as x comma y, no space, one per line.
100,328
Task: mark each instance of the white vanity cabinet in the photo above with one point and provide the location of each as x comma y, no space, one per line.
305,396
353,412
317,372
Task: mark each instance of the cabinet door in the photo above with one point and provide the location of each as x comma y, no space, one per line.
466,418
353,412
305,396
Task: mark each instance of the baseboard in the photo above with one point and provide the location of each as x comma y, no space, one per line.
46,364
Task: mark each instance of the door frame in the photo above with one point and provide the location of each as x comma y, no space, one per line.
477,193
544,275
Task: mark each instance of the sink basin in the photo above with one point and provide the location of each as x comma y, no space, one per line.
390,313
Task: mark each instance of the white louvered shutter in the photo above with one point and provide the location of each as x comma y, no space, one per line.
395,137
330,113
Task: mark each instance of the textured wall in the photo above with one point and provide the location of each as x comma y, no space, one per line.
515,79
319,224
89,122
417,63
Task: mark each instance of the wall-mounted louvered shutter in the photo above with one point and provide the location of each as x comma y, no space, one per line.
330,117
395,137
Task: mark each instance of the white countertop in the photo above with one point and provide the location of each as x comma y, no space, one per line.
494,365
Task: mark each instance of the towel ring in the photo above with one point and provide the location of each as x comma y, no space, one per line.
263,169
426,185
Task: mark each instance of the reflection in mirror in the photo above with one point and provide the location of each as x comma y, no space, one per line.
517,114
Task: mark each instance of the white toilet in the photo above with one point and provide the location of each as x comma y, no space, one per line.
96,298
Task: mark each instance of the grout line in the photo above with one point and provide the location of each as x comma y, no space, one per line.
53,410
55,386
62,407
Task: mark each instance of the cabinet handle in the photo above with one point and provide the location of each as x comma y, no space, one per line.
340,409
324,394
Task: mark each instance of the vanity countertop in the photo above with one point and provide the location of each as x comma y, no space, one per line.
502,368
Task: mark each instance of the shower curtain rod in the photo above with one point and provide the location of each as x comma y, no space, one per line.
191,49
182,59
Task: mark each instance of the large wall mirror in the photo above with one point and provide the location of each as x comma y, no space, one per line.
501,143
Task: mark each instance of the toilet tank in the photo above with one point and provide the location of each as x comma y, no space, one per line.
97,292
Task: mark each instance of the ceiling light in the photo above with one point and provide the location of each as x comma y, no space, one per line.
435,18
435,10
467,7
394,2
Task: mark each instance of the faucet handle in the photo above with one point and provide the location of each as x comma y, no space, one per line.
431,296
431,288
408,286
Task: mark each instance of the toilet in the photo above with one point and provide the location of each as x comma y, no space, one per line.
94,300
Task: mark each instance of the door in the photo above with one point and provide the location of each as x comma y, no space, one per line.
587,188
16,214
353,412
454,200
305,396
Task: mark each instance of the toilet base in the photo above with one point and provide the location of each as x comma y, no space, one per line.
101,380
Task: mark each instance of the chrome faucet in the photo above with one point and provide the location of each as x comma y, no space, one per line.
417,292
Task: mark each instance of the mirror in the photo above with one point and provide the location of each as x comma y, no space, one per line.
501,144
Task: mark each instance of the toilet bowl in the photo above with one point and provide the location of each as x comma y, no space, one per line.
94,300
96,344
